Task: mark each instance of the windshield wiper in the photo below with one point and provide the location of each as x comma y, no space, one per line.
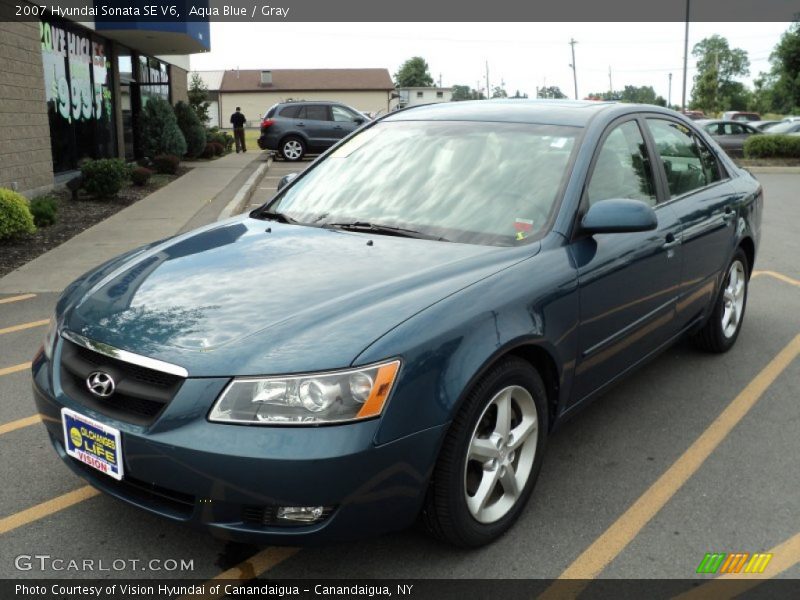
383,230
275,216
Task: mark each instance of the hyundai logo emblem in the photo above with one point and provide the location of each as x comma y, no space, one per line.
100,384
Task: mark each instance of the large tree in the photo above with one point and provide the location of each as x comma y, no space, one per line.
784,80
414,73
552,91
464,92
499,92
718,65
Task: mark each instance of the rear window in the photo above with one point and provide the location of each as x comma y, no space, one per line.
271,112
291,111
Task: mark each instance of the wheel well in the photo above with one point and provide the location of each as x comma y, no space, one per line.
750,252
541,360
293,136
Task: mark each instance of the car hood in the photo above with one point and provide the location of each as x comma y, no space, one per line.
248,297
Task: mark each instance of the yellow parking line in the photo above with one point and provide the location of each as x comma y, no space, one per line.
17,298
22,326
14,369
604,549
19,424
780,276
251,568
784,556
45,509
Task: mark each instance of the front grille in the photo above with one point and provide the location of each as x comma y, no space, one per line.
140,395
267,515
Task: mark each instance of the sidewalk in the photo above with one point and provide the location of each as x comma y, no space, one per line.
193,200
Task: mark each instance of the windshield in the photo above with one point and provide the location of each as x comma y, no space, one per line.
471,182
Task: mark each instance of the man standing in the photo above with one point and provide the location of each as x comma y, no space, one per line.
238,120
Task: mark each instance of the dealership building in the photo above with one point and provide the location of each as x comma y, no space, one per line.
74,90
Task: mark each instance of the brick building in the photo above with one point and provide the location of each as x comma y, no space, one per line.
72,90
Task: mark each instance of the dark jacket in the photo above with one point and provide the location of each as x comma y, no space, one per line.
238,120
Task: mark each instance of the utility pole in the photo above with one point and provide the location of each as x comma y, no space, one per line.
610,86
685,57
488,88
440,80
669,93
572,43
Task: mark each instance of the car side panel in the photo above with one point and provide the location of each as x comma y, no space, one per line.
448,346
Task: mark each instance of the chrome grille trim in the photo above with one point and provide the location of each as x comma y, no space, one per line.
124,355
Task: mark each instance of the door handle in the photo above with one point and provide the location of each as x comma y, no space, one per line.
301,124
671,242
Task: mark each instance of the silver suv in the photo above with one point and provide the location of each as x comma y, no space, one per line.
297,128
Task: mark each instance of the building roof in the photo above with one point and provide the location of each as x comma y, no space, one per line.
295,80
212,79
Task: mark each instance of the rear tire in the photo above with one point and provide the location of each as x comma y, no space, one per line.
293,149
719,333
490,458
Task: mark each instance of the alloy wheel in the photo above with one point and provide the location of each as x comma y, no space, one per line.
733,299
500,455
292,150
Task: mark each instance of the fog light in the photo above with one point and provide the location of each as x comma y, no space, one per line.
301,514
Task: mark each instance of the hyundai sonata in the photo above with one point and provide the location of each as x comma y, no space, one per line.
399,330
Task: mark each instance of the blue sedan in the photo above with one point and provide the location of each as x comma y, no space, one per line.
398,331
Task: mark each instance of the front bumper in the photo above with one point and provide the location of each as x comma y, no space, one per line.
217,477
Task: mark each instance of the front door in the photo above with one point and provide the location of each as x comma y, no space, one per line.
628,281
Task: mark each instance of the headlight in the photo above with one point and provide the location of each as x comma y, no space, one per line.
50,338
307,399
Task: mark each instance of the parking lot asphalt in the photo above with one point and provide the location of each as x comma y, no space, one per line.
694,453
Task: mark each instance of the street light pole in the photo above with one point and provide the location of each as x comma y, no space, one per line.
572,43
685,57
669,94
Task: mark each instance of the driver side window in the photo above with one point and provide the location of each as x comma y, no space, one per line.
622,169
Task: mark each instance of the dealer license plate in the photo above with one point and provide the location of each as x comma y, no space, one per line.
92,442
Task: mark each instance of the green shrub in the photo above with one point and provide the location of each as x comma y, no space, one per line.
219,149
103,178
166,163
193,131
159,131
772,146
223,138
15,216
140,176
208,151
44,210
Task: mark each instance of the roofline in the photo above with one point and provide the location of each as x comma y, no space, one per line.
249,91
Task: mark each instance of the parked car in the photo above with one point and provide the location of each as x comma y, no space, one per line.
694,115
731,135
733,115
784,127
294,129
762,125
400,329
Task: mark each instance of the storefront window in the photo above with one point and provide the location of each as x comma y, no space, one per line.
153,79
77,78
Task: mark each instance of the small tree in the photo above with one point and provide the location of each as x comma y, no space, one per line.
159,129
414,73
198,98
192,129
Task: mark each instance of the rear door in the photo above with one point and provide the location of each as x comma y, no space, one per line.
700,194
315,122
628,281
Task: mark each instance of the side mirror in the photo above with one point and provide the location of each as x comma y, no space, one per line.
619,216
358,120
286,180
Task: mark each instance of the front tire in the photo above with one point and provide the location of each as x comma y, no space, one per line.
293,149
723,326
491,457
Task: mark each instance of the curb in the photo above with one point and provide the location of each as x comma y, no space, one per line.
244,194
